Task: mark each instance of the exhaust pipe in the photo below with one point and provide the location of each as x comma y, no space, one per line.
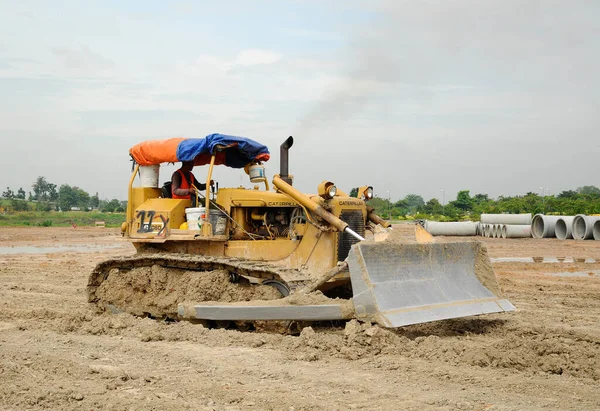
284,160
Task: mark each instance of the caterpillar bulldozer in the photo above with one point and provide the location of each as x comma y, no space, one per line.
262,254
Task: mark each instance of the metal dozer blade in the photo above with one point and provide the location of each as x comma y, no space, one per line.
402,284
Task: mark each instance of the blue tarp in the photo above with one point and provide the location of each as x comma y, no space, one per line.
245,151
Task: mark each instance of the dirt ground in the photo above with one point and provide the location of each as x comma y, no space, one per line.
57,352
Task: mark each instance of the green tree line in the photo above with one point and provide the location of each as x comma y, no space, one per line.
583,200
48,196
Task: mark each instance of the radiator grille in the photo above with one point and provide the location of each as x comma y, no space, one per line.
356,222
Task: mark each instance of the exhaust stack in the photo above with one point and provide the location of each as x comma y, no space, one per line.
284,160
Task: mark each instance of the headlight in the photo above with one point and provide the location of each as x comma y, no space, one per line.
332,191
327,189
368,193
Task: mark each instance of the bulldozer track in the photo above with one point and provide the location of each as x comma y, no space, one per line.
256,269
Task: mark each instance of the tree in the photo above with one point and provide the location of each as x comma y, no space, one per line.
354,192
451,211
568,194
111,206
82,198
401,207
40,189
433,207
95,201
21,193
67,198
8,193
414,202
52,193
589,190
463,201
480,198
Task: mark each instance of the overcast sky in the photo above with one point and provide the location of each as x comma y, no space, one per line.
499,97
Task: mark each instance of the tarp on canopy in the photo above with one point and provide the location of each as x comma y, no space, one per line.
231,151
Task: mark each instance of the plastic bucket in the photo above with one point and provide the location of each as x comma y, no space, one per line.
149,176
194,217
257,173
218,220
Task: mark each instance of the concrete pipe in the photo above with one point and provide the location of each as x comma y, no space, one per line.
488,230
543,226
596,230
503,231
524,219
564,228
461,228
517,231
583,226
496,230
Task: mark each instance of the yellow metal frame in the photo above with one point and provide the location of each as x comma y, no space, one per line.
206,225
130,197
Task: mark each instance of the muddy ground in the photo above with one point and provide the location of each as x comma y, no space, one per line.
57,353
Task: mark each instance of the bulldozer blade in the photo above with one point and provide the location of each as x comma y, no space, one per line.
402,284
273,310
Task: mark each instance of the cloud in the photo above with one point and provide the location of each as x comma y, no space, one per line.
82,59
445,88
253,57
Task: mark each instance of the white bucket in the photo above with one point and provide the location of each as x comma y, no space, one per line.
149,176
194,217
257,173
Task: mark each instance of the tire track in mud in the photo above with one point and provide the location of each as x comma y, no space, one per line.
525,341
486,343
549,334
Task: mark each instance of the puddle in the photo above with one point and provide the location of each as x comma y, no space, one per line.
542,260
58,249
591,273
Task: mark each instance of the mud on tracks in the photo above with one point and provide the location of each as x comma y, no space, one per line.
158,290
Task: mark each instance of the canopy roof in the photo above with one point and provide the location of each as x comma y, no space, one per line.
231,151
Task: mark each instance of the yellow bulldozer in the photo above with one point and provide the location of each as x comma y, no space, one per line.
244,256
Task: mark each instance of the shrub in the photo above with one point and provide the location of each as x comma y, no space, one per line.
43,207
19,205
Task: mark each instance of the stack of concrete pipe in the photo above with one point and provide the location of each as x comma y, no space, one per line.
579,227
505,225
544,226
460,228
586,227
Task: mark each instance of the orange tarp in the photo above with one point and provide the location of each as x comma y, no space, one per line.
152,152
